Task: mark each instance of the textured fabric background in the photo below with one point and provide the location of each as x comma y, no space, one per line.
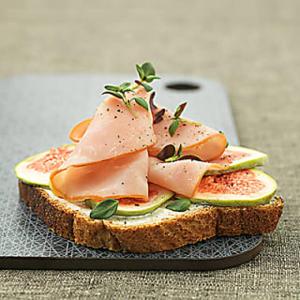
253,47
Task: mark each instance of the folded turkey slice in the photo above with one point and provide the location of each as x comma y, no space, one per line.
195,138
123,177
182,176
114,131
111,149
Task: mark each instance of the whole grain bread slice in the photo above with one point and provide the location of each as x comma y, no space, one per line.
164,234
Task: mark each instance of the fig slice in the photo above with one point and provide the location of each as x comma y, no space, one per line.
240,188
36,169
131,207
239,158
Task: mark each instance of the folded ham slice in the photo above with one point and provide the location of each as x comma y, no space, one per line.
112,148
182,176
114,131
123,177
79,130
195,138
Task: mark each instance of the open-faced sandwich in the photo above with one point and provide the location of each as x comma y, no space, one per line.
141,178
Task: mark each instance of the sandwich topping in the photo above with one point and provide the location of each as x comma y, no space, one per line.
111,158
131,144
51,160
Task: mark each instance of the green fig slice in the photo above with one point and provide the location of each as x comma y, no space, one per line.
36,169
239,158
132,207
240,188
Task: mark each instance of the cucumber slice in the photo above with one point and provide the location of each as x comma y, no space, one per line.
32,176
246,159
263,194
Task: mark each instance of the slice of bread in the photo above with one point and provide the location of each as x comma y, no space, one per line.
157,231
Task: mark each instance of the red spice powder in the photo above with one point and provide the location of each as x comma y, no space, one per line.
239,182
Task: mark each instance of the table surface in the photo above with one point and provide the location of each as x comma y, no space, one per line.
251,46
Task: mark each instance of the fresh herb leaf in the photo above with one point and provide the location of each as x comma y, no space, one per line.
140,101
113,88
179,110
166,152
173,127
150,78
140,72
104,209
148,69
147,74
115,94
129,89
179,204
147,87
125,85
176,119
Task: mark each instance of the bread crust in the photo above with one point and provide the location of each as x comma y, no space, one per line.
171,233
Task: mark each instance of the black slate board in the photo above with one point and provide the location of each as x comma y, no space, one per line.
36,113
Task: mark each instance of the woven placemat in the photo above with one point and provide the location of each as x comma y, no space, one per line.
252,47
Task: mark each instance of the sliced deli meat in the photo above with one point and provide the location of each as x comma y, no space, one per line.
114,131
182,176
123,177
79,130
195,138
111,148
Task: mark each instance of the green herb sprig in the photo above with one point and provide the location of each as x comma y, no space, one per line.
104,209
176,118
179,204
146,74
120,92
